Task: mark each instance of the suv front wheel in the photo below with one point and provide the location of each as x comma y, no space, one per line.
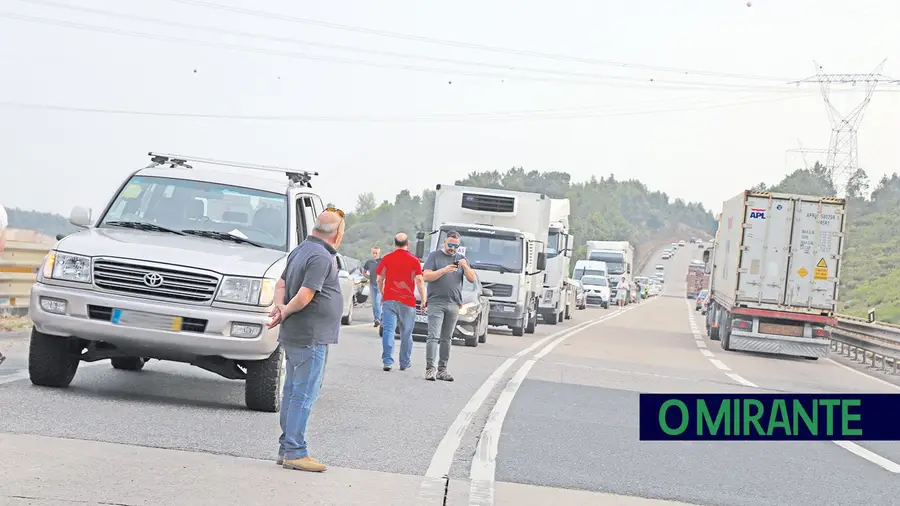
265,378
52,360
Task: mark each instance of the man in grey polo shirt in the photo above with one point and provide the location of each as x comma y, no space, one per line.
309,306
444,270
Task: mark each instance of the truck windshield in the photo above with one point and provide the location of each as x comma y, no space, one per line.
581,272
487,251
615,262
594,281
553,244
200,208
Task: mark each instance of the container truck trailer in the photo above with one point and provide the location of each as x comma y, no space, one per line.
775,270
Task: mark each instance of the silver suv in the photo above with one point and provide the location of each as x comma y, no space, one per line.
180,266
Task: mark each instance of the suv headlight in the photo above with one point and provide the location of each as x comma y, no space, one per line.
467,309
67,267
252,291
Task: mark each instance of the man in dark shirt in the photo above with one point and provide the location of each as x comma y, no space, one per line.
444,271
374,292
309,306
398,272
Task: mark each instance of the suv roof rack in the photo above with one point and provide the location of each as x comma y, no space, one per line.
298,177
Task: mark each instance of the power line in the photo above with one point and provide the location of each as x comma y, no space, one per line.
289,40
414,68
480,47
375,119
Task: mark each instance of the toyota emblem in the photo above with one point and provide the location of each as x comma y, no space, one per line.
153,279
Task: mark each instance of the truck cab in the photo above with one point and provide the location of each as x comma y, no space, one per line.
502,235
557,297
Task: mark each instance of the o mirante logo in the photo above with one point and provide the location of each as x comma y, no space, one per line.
769,417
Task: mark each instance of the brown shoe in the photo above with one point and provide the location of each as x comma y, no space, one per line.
305,464
443,375
279,460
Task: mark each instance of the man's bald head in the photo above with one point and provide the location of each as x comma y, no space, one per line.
330,226
401,241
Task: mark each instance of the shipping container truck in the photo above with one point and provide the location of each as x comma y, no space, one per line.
775,270
502,235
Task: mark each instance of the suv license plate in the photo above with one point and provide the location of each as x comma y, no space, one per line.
421,318
144,320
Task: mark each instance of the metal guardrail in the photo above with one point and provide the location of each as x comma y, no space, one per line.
875,345
19,262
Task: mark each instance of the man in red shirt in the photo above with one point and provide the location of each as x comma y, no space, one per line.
397,273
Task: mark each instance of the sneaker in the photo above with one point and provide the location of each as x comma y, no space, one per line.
305,464
404,368
387,368
430,374
443,375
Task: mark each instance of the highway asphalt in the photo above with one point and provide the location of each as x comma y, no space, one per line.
559,414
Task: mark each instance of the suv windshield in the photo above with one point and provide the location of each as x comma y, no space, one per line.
201,208
594,281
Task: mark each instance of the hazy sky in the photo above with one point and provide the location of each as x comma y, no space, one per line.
460,110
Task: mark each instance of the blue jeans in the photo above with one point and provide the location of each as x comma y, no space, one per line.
376,301
303,377
395,313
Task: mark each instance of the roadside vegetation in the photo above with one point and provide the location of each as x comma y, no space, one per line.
870,276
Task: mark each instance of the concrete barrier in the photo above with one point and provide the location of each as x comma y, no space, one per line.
19,263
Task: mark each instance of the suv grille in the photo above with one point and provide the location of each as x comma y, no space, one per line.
128,278
499,289
490,203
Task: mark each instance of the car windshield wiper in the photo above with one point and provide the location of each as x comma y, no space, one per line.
141,225
222,236
501,268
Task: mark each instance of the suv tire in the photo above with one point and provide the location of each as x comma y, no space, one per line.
472,342
128,363
265,379
52,360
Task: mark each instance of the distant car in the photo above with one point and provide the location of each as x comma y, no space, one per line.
680,244
705,306
700,244
472,325
700,298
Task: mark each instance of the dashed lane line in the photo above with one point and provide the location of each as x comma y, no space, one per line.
850,446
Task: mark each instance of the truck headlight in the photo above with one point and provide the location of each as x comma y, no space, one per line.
467,309
252,291
67,267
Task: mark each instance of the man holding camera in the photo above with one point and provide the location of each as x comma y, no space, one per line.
444,271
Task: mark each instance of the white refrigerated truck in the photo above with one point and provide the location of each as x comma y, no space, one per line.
775,268
557,301
502,235
619,258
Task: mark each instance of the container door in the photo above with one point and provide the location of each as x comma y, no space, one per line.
764,252
817,237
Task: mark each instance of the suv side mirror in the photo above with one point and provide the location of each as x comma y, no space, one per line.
80,217
541,261
487,292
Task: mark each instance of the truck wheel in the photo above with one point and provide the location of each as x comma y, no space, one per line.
265,380
561,316
518,331
550,319
347,320
52,360
568,315
483,337
532,323
725,333
128,363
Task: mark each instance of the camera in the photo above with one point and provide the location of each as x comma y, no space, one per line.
456,263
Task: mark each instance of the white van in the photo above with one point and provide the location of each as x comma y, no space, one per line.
589,268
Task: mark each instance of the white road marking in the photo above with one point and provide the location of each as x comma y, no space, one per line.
432,489
719,365
873,378
850,446
700,344
484,462
707,353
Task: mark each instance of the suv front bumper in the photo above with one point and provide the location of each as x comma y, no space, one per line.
94,324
